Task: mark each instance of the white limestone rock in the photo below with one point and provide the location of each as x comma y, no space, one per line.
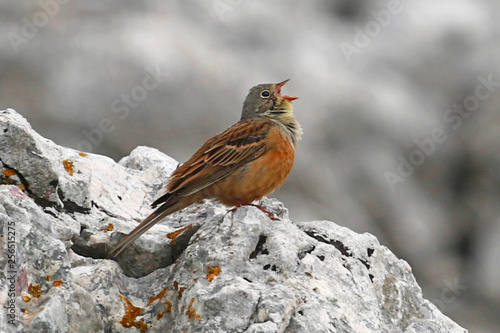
229,272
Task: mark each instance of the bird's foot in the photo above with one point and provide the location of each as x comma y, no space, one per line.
269,213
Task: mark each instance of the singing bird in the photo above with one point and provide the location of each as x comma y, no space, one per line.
247,161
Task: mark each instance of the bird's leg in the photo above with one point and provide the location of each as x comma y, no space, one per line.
232,210
269,213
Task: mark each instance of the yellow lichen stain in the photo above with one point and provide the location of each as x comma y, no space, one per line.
26,298
35,290
109,227
82,154
8,181
159,296
181,290
131,312
166,304
175,234
168,308
57,283
212,272
22,187
191,311
68,166
8,172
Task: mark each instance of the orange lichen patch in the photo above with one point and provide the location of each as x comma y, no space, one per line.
35,290
57,283
109,227
176,285
159,296
8,181
181,290
168,308
212,272
191,311
26,298
24,310
48,277
175,234
68,165
82,154
8,172
131,312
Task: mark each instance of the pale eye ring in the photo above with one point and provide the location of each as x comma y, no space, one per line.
265,94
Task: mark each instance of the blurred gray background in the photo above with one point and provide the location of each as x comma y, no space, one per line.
399,101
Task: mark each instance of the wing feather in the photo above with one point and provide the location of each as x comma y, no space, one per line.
219,157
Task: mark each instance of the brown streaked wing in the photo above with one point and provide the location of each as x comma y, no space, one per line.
220,156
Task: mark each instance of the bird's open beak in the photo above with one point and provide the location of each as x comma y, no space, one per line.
278,91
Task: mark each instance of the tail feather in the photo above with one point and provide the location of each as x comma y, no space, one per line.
151,220
164,198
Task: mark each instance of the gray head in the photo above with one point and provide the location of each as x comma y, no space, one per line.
265,100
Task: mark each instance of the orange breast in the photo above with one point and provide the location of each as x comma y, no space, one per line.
260,177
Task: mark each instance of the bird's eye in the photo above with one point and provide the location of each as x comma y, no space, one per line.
265,94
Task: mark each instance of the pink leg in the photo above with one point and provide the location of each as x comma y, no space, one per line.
270,214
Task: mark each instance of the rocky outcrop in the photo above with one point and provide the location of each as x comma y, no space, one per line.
200,270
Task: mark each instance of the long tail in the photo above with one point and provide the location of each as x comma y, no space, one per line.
151,220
